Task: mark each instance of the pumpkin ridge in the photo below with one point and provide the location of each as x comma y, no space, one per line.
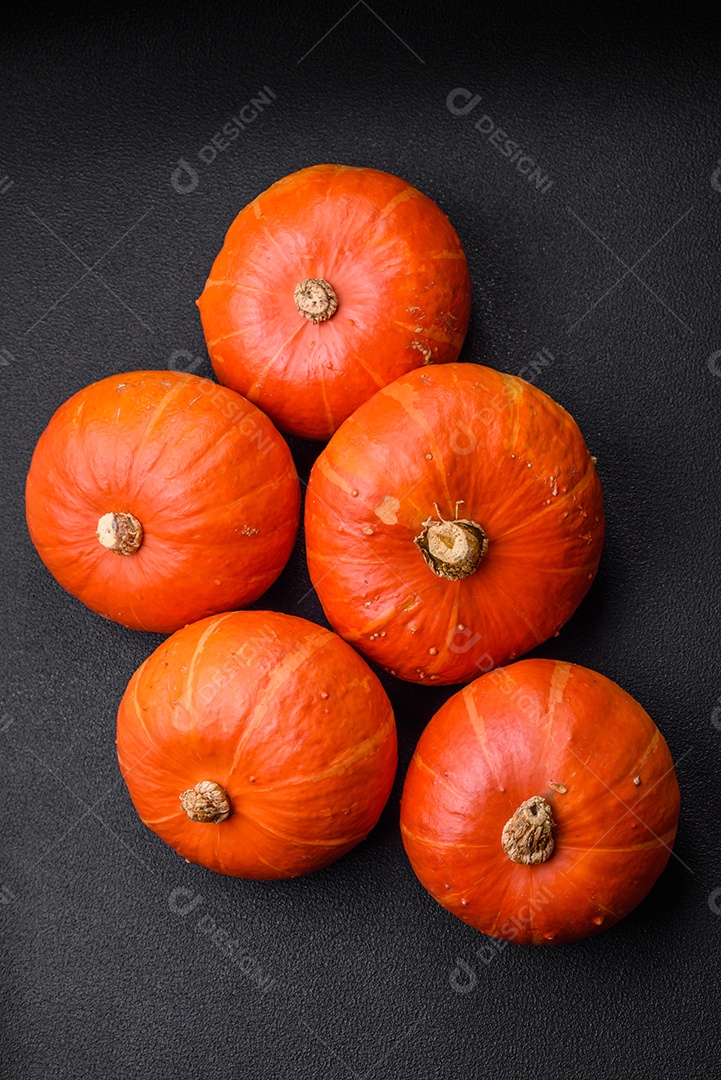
339,842
256,388
479,730
587,897
454,844
373,744
380,383
628,808
310,644
558,571
154,419
326,402
212,282
650,749
419,419
226,337
644,845
189,688
539,637
579,489
407,193
560,678
499,913
442,780
213,445
447,255
218,851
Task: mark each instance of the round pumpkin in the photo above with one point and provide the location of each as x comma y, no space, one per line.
453,522
157,498
329,285
257,744
541,803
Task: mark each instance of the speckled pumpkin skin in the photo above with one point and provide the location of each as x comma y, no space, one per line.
398,270
207,475
285,716
464,441
570,735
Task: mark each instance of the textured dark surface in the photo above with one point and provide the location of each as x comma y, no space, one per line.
103,976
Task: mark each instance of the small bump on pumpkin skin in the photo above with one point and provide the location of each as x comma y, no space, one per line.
598,920
324,694
637,781
354,494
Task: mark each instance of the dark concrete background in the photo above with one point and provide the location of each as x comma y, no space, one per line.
110,968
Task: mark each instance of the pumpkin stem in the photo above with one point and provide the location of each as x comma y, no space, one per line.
452,549
315,299
527,837
206,802
121,533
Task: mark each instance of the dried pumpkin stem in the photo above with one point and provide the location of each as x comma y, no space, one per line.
527,837
206,802
452,549
315,299
121,533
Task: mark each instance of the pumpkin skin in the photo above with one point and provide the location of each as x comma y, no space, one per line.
470,445
281,713
394,264
536,728
207,476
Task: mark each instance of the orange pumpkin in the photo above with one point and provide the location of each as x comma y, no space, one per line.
454,522
157,497
330,284
259,745
541,803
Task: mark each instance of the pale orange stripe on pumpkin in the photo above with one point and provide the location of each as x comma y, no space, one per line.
401,197
290,664
192,667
